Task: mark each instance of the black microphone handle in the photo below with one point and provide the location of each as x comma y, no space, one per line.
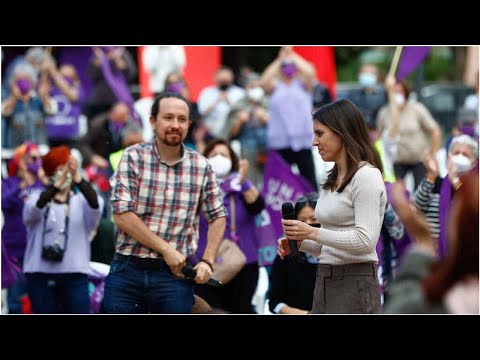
293,248
191,273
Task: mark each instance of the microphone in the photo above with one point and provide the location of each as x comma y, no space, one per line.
190,273
288,213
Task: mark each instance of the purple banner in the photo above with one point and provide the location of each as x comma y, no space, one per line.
411,57
280,184
79,57
118,84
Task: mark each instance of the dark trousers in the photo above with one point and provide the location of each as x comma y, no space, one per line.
304,161
418,170
137,285
347,289
236,296
58,293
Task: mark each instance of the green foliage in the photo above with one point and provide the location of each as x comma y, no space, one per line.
440,64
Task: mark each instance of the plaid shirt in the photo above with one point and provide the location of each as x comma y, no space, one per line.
166,198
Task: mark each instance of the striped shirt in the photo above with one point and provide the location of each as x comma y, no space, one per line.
167,198
427,199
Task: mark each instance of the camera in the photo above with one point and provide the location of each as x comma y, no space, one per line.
52,253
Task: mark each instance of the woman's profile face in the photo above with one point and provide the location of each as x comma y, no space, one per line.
307,215
329,144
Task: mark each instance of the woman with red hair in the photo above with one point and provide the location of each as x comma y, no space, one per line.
25,174
58,246
449,285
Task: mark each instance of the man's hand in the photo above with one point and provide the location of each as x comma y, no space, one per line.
175,261
203,273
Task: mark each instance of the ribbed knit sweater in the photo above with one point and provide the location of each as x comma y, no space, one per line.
351,220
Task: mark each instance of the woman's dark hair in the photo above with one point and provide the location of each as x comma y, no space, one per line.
307,200
211,145
345,120
163,95
462,257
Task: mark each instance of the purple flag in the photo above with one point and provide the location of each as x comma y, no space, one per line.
411,57
118,84
280,184
79,57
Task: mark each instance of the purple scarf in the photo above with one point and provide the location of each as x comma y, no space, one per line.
445,201
117,83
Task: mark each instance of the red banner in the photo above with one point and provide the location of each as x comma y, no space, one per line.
202,62
323,58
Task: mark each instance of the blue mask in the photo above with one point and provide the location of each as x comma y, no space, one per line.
367,80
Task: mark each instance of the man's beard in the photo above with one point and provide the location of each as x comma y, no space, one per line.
164,139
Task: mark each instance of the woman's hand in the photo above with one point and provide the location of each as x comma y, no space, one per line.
73,168
413,220
297,230
243,170
431,166
452,172
283,248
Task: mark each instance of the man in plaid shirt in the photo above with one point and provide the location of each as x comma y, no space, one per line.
157,193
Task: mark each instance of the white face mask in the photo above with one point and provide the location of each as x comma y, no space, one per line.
66,184
255,94
400,99
367,79
462,163
220,165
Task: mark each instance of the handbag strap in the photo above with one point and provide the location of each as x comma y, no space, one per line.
232,217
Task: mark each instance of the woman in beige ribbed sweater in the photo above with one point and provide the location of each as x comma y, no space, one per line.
350,208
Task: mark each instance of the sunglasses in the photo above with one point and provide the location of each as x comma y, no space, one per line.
35,157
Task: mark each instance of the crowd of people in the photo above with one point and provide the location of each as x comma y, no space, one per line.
152,188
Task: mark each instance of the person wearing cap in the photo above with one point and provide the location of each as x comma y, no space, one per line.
25,174
59,225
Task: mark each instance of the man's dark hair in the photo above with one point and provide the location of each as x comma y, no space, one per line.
163,95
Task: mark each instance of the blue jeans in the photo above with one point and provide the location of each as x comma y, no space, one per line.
134,289
58,293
